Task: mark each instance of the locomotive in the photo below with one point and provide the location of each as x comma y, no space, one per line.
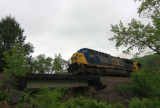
90,62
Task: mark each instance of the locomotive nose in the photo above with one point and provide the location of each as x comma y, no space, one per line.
74,58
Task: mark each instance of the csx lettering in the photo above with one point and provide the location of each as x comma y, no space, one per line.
115,61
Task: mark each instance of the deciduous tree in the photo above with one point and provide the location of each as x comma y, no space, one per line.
42,64
10,33
138,35
59,64
16,62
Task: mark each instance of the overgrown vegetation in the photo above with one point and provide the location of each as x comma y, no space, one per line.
140,36
137,35
145,83
47,65
11,33
144,103
51,98
15,60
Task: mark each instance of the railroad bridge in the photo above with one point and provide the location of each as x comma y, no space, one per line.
59,81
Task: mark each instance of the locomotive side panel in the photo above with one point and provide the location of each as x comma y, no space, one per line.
104,60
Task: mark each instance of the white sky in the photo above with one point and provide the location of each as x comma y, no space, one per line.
65,26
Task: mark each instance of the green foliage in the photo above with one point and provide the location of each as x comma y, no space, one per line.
17,63
149,8
42,64
82,102
155,82
146,81
150,63
144,84
124,87
10,33
59,65
141,83
47,98
138,35
3,95
117,105
24,101
145,103
51,98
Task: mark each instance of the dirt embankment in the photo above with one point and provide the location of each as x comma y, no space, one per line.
111,94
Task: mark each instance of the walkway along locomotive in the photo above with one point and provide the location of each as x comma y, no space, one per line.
90,62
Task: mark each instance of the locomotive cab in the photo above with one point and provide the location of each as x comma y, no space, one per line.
78,58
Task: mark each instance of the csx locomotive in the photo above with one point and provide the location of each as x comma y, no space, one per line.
90,62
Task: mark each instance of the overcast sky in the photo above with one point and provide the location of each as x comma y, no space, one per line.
65,26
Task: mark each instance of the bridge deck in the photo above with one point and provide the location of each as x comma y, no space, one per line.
55,81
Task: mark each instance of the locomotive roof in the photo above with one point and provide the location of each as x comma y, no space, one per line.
128,60
93,51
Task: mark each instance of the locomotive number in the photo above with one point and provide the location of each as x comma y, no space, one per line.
115,62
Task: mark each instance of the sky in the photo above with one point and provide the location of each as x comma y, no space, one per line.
65,26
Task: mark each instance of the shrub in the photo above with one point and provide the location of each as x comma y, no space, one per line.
117,105
3,95
81,102
47,98
145,103
141,83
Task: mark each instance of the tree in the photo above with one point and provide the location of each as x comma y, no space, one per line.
10,33
16,62
42,64
59,64
138,35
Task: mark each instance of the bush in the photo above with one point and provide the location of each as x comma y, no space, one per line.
47,98
51,98
145,103
81,102
117,105
3,95
155,82
146,83
141,83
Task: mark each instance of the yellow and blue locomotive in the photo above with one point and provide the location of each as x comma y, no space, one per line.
90,62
